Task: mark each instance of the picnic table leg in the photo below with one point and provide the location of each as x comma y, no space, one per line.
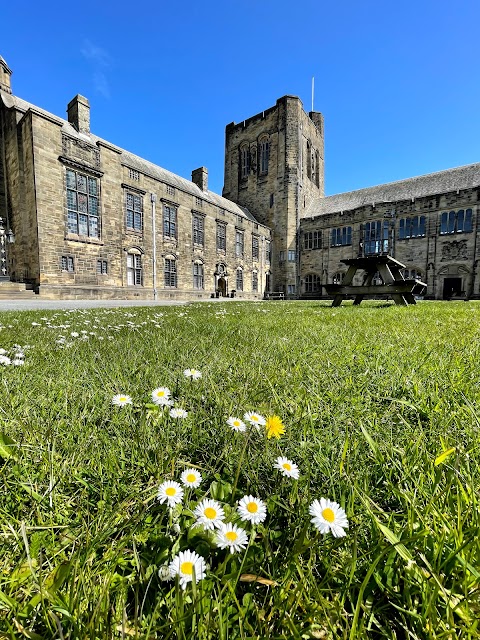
337,301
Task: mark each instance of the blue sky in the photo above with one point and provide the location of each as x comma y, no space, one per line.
397,82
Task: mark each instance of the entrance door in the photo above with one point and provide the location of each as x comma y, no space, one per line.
452,287
222,287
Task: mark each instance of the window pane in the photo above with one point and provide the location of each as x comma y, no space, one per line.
72,222
460,217
82,203
83,225
421,229
71,181
468,220
92,186
71,199
93,206
81,183
451,222
93,227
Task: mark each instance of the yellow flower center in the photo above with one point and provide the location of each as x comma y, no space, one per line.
287,466
160,394
187,568
191,477
170,491
328,515
231,535
122,398
236,423
255,418
210,513
252,507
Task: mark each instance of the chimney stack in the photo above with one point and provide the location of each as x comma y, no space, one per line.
5,74
200,178
78,111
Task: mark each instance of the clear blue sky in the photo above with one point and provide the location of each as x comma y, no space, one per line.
397,82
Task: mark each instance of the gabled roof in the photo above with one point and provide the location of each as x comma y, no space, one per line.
430,184
131,160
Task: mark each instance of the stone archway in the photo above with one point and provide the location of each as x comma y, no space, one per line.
222,287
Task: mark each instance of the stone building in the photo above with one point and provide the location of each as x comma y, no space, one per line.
90,219
81,217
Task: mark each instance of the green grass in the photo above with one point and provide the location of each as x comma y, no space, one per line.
371,397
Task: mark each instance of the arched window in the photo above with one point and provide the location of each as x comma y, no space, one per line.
309,160
264,152
239,279
198,282
170,272
244,162
312,283
317,169
134,268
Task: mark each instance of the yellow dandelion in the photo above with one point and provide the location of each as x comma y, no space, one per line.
274,427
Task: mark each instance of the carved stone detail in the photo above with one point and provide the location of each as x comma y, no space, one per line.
80,150
456,250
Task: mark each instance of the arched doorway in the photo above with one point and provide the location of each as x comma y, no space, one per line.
222,287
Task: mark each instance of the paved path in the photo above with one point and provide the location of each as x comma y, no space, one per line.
37,303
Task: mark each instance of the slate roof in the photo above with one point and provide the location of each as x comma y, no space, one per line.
464,177
131,160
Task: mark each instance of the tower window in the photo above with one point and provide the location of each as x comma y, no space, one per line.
264,151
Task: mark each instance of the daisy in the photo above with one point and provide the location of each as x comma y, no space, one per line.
274,427
287,467
187,564
121,400
193,374
232,536
254,418
329,516
18,362
5,360
170,492
161,396
209,514
178,413
252,509
236,424
191,478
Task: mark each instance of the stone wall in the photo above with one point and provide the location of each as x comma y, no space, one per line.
435,256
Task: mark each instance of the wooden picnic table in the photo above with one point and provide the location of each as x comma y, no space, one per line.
394,285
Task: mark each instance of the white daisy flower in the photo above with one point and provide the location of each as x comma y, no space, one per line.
329,516
5,360
161,396
176,412
254,419
120,400
3,352
18,362
170,492
252,509
287,467
74,334
187,564
209,514
229,535
236,424
193,374
191,478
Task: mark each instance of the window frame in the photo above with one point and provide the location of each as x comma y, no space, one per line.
198,275
69,262
198,229
221,236
169,221
239,279
239,243
255,247
135,269
74,212
170,274
136,213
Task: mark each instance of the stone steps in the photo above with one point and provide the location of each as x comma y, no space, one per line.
15,290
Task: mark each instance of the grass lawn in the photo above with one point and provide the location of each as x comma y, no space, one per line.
380,406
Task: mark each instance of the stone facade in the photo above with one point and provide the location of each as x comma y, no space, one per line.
93,220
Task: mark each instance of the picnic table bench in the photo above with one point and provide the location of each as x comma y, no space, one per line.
394,284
